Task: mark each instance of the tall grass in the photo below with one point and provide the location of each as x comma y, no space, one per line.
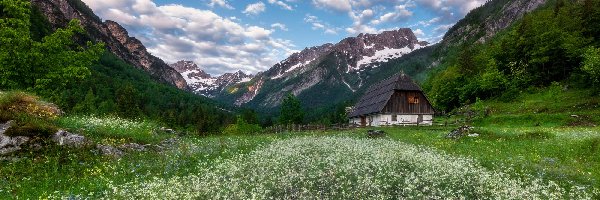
99,128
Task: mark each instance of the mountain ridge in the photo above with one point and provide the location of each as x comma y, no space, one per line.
205,84
115,36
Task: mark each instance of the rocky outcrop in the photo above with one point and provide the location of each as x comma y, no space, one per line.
65,138
10,144
116,38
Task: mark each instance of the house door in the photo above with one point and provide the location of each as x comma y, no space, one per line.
363,121
420,119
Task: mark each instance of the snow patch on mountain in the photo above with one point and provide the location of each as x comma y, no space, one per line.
385,55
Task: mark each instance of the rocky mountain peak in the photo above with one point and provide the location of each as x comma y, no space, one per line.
115,36
203,83
344,60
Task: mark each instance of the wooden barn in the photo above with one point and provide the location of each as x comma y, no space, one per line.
393,101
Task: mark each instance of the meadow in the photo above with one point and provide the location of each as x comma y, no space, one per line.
543,156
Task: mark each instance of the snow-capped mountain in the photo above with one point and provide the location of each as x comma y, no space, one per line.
203,83
339,69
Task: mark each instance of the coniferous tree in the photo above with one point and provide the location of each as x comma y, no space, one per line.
291,111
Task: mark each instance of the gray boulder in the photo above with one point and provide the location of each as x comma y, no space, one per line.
133,147
460,132
63,138
375,133
10,144
109,151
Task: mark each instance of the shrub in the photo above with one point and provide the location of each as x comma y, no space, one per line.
32,129
18,104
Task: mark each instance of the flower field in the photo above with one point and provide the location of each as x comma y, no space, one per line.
341,167
409,163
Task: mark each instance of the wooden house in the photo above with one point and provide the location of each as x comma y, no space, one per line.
393,101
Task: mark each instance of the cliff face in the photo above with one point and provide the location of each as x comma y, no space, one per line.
116,38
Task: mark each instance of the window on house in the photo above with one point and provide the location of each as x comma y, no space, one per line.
413,99
394,117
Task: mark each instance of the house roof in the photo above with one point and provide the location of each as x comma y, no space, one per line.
376,97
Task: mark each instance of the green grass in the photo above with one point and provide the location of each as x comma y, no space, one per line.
546,145
114,128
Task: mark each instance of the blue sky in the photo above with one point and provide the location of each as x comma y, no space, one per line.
228,35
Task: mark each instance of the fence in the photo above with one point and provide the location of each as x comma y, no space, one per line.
308,127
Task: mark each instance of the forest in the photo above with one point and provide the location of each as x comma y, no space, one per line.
557,44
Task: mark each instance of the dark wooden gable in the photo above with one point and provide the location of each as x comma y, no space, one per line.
408,102
377,97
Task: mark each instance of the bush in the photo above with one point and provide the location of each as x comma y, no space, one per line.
14,105
32,129
241,127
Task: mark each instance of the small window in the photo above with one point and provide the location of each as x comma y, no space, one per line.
394,117
413,100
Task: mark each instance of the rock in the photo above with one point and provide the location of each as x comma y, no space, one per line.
459,132
10,144
133,147
167,130
63,138
109,151
166,144
375,133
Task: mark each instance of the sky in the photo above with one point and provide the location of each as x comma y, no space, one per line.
252,35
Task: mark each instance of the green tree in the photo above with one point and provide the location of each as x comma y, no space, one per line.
591,64
128,103
291,111
44,65
88,105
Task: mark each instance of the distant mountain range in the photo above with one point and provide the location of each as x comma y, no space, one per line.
321,76
204,84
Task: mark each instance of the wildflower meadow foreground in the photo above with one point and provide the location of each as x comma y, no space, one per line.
342,167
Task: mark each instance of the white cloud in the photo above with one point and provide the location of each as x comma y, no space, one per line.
464,6
442,28
175,32
337,5
400,12
221,3
431,21
419,33
319,25
279,26
255,8
281,4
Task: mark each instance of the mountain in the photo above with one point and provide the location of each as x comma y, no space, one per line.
331,74
335,71
484,22
116,38
204,84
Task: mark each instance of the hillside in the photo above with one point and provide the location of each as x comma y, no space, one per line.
116,38
86,77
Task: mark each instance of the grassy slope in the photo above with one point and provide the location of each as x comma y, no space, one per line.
536,133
